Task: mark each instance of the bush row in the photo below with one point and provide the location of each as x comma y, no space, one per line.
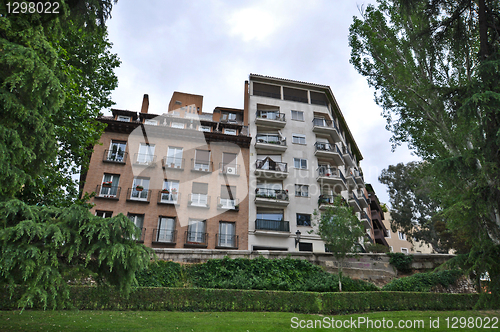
424,282
241,273
189,299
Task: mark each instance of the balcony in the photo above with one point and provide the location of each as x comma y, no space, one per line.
358,175
229,169
270,142
270,169
363,200
144,159
108,192
332,176
226,241
168,197
348,157
271,197
364,217
351,181
328,151
141,195
272,227
268,94
199,200
141,237
325,200
117,157
201,166
228,204
380,237
171,163
354,202
270,119
195,239
165,236
328,127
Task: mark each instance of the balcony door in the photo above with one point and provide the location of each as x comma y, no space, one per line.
226,234
117,151
112,189
137,193
174,157
146,153
196,231
202,160
166,229
173,191
199,196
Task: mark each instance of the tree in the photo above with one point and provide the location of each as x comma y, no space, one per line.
341,230
435,67
415,211
56,74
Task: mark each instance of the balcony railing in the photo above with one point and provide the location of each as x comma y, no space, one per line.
319,102
230,169
226,240
352,196
141,237
228,204
201,165
271,165
164,235
364,215
199,200
173,163
196,238
331,173
277,194
277,116
143,195
345,150
271,139
326,199
119,157
320,122
321,146
109,192
272,225
144,159
168,197
296,98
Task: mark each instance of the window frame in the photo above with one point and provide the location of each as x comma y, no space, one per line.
300,161
300,137
297,112
304,223
299,189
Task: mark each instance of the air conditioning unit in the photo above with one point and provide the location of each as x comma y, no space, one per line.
231,170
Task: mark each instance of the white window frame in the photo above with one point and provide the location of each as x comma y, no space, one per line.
401,236
172,196
151,122
199,199
113,190
198,228
297,117
115,156
174,156
166,229
123,118
227,230
178,125
140,195
146,153
298,139
404,250
300,162
138,220
205,128
230,131
301,190
387,234
104,214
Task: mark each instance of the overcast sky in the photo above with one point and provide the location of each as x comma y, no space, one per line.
210,47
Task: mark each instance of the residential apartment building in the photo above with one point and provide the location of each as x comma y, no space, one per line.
181,176
379,230
302,156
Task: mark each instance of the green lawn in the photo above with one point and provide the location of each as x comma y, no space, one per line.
230,321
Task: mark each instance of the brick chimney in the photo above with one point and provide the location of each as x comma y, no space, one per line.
145,104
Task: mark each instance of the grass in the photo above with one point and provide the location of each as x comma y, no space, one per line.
136,321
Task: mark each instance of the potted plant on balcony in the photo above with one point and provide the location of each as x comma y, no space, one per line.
237,207
107,184
139,188
165,191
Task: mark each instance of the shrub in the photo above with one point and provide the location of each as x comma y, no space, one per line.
161,274
423,282
400,261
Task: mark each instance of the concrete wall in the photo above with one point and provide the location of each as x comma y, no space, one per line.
370,267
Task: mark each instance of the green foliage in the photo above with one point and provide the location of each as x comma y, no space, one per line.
376,248
424,282
400,261
42,248
183,299
161,274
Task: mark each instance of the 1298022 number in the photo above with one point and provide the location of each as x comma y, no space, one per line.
472,322
33,7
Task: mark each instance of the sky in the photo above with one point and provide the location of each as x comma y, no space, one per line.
209,48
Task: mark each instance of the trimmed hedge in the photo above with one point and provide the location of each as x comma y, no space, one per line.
186,299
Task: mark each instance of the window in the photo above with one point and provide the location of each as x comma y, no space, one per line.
304,246
226,234
300,163
303,219
202,160
196,231
229,163
104,214
138,220
109,187
140,188
166,230
170,192
299,139
388,233
199,195
205,128
271,115
391,249
298,115
268,138
174,157
123,118
228,116
227,197
177,125
117,151
151,122
404,250
401,236
228,131
146,153
271,219
301,190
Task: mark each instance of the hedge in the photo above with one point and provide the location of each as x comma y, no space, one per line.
197,299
